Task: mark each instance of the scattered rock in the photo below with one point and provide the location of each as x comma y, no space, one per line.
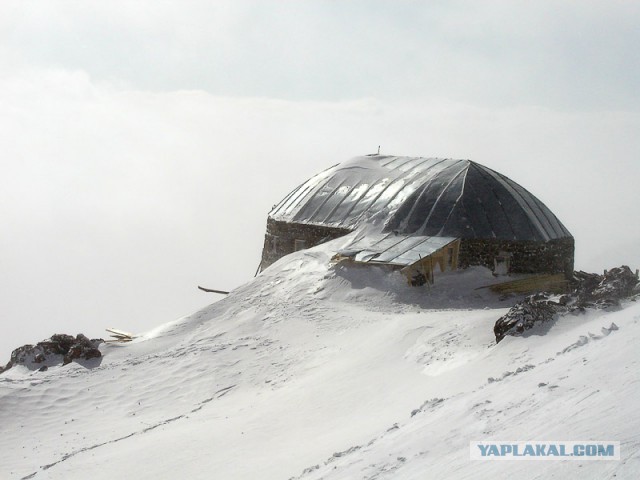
337,455
518,371
601,291
60,348
310,469
589,290
533,310
616,283
429,404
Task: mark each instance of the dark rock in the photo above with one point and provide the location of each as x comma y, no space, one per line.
63,340
533,310
589,290
74,352
24,354
60,348
91,353
83,340
592,289
616,283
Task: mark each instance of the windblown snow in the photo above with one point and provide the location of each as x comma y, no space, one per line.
313,371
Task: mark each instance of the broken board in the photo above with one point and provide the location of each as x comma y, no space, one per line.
120,335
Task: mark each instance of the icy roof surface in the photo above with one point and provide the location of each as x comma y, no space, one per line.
422,196
394,249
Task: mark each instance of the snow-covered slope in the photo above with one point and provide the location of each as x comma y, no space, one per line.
311,371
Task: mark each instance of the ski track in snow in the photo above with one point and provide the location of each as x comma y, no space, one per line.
317,372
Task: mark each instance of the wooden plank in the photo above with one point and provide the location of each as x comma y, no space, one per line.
120,333
222,292
119,336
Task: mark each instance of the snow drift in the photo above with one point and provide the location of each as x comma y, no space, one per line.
311,371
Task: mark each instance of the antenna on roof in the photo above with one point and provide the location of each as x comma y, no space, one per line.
374,154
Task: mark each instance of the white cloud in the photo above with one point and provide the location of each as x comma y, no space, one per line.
570,55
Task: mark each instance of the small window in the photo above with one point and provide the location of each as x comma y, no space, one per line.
299,245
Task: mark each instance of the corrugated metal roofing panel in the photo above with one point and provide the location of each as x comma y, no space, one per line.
400,248
421,196
394,249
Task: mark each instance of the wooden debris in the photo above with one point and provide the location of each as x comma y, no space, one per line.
222,292
119,336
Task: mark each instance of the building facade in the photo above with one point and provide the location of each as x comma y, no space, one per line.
415,204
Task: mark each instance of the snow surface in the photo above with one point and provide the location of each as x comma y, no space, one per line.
315,371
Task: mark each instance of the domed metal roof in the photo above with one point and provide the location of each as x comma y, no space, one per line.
421,196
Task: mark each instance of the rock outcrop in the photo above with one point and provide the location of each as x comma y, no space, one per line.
60,348
588,290
599,291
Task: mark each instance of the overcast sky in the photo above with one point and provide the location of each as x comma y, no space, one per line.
144,142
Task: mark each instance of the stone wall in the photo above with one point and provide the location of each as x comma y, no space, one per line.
554,256
280,239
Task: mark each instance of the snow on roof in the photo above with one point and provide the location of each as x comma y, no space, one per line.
422,196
